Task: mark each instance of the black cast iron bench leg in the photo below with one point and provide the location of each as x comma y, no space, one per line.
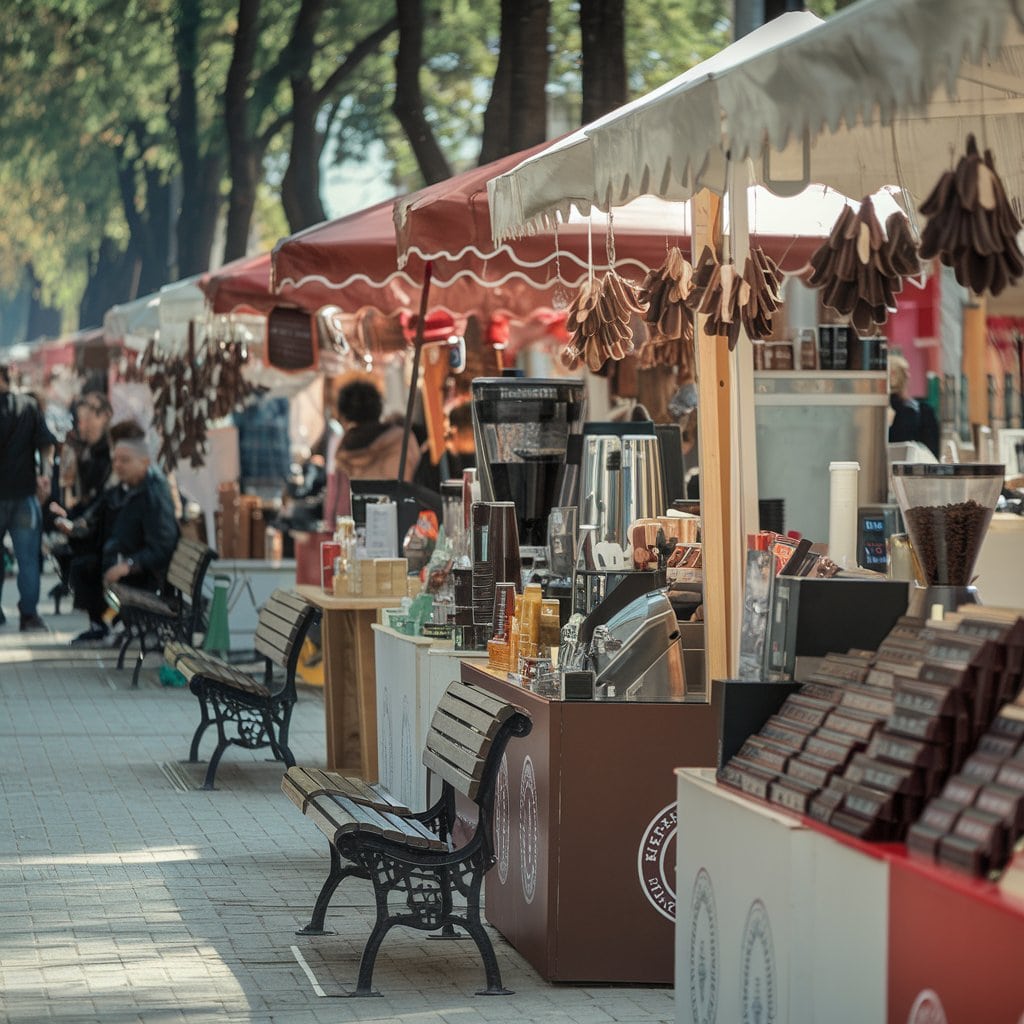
335,877
204,721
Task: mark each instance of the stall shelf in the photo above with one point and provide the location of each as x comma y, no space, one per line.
350,684
585,832
782,918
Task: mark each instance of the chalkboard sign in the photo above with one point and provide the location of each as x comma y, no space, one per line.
291,340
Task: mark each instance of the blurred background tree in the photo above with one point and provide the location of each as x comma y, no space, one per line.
143,141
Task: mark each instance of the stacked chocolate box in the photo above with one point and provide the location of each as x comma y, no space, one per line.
813,736
975,822
870,741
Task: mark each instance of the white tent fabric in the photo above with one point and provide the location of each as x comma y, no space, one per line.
178,304
133,323
884,93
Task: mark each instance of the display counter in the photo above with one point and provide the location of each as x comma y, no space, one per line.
585,832
350,678
412,675
784,919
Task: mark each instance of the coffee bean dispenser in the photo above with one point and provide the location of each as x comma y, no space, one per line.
947,509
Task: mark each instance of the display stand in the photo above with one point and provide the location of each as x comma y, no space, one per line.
350,683
785,919
585,832
412,675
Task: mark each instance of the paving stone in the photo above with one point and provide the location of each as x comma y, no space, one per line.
125,900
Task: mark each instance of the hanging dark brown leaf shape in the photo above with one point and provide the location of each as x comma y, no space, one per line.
971,226
721,303
599,322
760,294
860,268
669,322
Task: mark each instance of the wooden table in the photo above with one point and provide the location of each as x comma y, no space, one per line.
350,678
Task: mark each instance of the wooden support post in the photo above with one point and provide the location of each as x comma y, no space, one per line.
975,361
714,401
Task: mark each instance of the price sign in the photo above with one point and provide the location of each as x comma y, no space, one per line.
291,340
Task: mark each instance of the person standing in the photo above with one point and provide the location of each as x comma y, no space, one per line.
26,450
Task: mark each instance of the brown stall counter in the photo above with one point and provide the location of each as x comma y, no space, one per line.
585,832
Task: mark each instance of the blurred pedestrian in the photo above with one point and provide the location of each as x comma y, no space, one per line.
370,448
26,451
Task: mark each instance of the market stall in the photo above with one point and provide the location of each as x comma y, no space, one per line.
854,103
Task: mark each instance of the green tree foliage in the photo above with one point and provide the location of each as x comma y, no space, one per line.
114,142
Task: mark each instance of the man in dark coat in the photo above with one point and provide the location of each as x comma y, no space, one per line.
26,448
141,538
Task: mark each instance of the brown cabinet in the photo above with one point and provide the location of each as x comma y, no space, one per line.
585,833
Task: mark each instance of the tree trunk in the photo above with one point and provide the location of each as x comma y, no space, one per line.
244,155
300,189
516,116
109,282
408,103
603,32
44,321
200,175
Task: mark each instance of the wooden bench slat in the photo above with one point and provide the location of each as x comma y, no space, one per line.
467,761
275,654
300,785
289,599
388,825
285,628
474,743
462,782
477,698
467,715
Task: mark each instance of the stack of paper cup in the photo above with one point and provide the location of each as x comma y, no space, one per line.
842,513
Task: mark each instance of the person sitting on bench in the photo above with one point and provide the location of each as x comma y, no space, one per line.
141,537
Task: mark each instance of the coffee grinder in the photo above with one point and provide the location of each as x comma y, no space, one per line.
947,509
522,427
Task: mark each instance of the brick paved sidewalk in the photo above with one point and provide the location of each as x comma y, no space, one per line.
125,898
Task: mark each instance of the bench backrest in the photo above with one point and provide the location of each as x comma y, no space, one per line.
467,736
283,623
188,566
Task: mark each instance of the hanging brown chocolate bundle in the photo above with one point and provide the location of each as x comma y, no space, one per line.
599,322
721,303
860,268
669,323
972,227
760,294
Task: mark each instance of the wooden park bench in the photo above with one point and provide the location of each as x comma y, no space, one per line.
176,613
261,709
411,856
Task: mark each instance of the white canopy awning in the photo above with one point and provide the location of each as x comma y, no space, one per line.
883,93
178,305
133,323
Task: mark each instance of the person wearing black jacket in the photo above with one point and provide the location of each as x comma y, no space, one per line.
140,535
26,448
84,475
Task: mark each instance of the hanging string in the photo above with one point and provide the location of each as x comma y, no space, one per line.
610,242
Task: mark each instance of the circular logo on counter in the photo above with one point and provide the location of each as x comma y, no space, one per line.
757,986
407,766
656,861
529,841
384,742
927,1009
501,821
703,950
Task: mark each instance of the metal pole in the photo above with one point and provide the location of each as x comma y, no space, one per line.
414,382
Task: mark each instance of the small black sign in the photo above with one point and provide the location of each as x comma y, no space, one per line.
291,340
